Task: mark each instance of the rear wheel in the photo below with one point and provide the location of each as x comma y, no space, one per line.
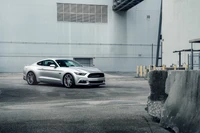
31,78
68,81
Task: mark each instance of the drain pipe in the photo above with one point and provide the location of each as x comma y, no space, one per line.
159,37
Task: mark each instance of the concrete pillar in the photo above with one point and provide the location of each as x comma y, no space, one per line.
141,71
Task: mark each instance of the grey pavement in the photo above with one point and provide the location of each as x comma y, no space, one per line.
117,107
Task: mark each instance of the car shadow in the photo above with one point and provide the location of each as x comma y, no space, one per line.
75,87
50,85
88,87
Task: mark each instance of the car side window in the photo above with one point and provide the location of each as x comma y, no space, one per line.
61,63
49,62
41,63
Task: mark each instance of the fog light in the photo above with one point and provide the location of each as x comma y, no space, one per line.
83,81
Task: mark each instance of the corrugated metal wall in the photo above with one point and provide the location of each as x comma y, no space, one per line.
30,31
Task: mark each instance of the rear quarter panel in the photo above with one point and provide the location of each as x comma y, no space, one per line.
31,68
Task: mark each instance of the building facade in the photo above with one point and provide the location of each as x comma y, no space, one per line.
88,31
180,24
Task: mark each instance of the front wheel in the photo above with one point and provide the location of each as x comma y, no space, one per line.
31,78
68,81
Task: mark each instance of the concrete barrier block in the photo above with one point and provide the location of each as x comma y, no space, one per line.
182,107
157,81
170,80
154,108
157,96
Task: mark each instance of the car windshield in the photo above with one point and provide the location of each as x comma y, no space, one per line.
68,63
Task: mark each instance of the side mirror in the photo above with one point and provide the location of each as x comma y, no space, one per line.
52,65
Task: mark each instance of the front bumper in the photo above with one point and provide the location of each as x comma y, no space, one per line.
90,81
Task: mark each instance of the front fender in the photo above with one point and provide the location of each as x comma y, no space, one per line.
63,74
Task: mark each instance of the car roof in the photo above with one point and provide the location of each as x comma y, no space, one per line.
61,59
54,59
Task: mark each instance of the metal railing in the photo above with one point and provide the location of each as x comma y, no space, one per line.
142,71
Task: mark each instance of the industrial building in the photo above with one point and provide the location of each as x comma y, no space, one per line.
111,35
180,24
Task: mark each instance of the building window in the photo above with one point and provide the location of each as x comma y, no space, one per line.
82,13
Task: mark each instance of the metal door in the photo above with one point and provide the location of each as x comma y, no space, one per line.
85,61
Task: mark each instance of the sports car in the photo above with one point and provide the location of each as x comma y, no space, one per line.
63,71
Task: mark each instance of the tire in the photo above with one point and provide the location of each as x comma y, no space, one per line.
31,78
68,81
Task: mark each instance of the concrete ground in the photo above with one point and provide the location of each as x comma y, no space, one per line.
117,107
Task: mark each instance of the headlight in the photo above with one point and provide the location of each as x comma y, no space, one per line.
81,74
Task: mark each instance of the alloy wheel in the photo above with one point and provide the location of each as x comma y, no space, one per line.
68,81
31,78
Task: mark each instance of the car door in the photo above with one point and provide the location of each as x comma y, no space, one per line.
50,74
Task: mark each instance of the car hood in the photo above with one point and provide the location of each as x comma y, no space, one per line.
86,69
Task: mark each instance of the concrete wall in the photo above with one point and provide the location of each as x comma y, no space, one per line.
29,31
180,24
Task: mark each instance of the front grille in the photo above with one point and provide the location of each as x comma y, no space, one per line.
96,81
96,75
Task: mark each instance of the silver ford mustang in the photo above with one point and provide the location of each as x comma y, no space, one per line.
63,71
